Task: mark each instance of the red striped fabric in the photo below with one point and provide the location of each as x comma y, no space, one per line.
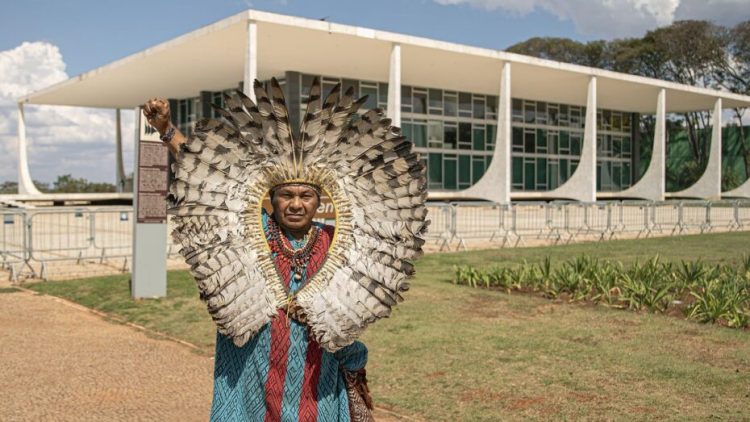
277,367
274,386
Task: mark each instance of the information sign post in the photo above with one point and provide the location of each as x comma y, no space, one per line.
150,209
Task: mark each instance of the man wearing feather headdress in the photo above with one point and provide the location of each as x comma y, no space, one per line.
290,295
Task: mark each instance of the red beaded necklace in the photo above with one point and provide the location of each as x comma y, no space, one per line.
298,258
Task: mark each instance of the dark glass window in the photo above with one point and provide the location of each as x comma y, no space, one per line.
517,169
478,108
517,139
419,131
541,172
477,169
406,98
564,142
541,112
575,144
406,130
541,140
383,93
436,101
420,102
464,171
435,170
464,104
450,137
517,110
529,140
464,135
529,174
529,111
372,96
477,139
490,137
553,116
449,173
491,106
450,104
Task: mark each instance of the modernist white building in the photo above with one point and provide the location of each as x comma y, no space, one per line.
490,124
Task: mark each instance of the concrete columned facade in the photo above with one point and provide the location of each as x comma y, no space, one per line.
708,185
582,184
652,183
495,184
25,183
547,130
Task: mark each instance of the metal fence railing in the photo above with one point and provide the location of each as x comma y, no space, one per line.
557,222
13,248
32,240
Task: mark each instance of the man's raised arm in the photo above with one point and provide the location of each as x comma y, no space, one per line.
158,115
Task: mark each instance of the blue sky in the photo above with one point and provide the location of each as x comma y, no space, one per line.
46,41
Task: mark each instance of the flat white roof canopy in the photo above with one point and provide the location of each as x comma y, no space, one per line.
212,58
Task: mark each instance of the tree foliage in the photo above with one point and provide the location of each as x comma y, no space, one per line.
66,183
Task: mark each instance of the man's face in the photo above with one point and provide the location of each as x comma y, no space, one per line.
294,206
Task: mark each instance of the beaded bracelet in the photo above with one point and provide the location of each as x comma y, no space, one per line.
169,135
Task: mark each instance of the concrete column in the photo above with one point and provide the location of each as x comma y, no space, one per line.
119,165
495,183
394,86
251,60
25,183
581,186
709,184
652,184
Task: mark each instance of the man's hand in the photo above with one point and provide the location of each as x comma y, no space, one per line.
157,114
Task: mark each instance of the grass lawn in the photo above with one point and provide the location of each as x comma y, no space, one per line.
455,353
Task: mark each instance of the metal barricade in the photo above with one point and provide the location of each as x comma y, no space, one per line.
556,216
720,215
694,216
587,219
57,235
742,214
112,232
13,242
528,219
479,220
665,216
631,217
33,237
442,224
78,235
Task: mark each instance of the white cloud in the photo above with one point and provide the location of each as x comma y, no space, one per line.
620,18
74,140
723,12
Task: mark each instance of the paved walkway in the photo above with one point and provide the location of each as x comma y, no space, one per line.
61,362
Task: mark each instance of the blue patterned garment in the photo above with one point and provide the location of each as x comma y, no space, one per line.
282,374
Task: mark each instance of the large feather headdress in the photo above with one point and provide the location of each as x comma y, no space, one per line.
375,181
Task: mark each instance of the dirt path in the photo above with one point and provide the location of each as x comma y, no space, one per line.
61,362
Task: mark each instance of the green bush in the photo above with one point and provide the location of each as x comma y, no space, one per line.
719,294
